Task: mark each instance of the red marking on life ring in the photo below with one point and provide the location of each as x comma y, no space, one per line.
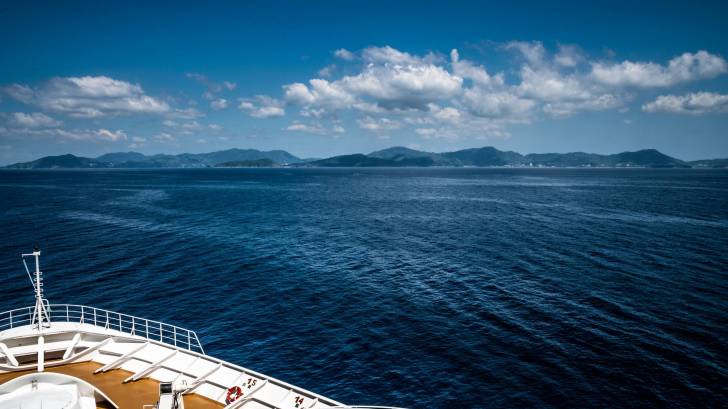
234,393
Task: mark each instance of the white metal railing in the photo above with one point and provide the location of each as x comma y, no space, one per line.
151,330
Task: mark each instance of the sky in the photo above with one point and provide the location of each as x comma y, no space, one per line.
322,78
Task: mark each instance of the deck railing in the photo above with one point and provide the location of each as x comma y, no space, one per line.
128,324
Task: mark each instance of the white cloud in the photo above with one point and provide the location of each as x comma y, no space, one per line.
534,51
321,93
112,136
567,108
229,85
694,103
88,97
549,85
344,54
219,104
378,124
426,132
476,73
32,120
568,56
315,128
262,106
327,71
496,104
388,54
187,113
684,68
403,87
436,98
164,137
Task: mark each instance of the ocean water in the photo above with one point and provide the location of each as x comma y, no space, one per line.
424,288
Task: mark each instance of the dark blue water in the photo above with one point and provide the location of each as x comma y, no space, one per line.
426,288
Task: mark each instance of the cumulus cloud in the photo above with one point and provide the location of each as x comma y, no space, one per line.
315,128
344,54
568,56
696,103
533,52
496,104
393,89
567,108
164,137
378,124
468,70
219,104
262,106
327,71
113,136
32,120
88,97
684,68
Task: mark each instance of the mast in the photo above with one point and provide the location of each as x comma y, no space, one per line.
40,314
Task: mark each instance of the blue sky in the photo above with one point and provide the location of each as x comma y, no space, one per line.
326,78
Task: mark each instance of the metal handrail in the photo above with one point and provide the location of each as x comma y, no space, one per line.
149,329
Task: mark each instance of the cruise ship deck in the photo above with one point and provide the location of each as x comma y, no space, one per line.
126,395
65,356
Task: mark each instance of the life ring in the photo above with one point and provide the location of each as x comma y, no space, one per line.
234,393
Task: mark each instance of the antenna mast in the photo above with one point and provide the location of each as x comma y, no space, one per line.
40,314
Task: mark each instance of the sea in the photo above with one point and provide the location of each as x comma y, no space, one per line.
412,287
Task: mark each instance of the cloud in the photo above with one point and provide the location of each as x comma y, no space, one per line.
32,120
344,54
393,89
262,106
684,68
315,128
327,71
533,52
111,135
567,108
378,124
496,104
387,54
568,56
103,135
426,132
468,70
88,97
696,103
164,137
219,104
187,113
212,88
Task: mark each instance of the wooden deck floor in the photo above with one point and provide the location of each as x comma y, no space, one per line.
130,395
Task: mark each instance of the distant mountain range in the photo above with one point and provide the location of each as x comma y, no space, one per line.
184,160
489,156
391,157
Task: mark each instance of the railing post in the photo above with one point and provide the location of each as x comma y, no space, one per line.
94,317
146,328
11,319
161,339
132,325
120,327
174,331
68,319
81,320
